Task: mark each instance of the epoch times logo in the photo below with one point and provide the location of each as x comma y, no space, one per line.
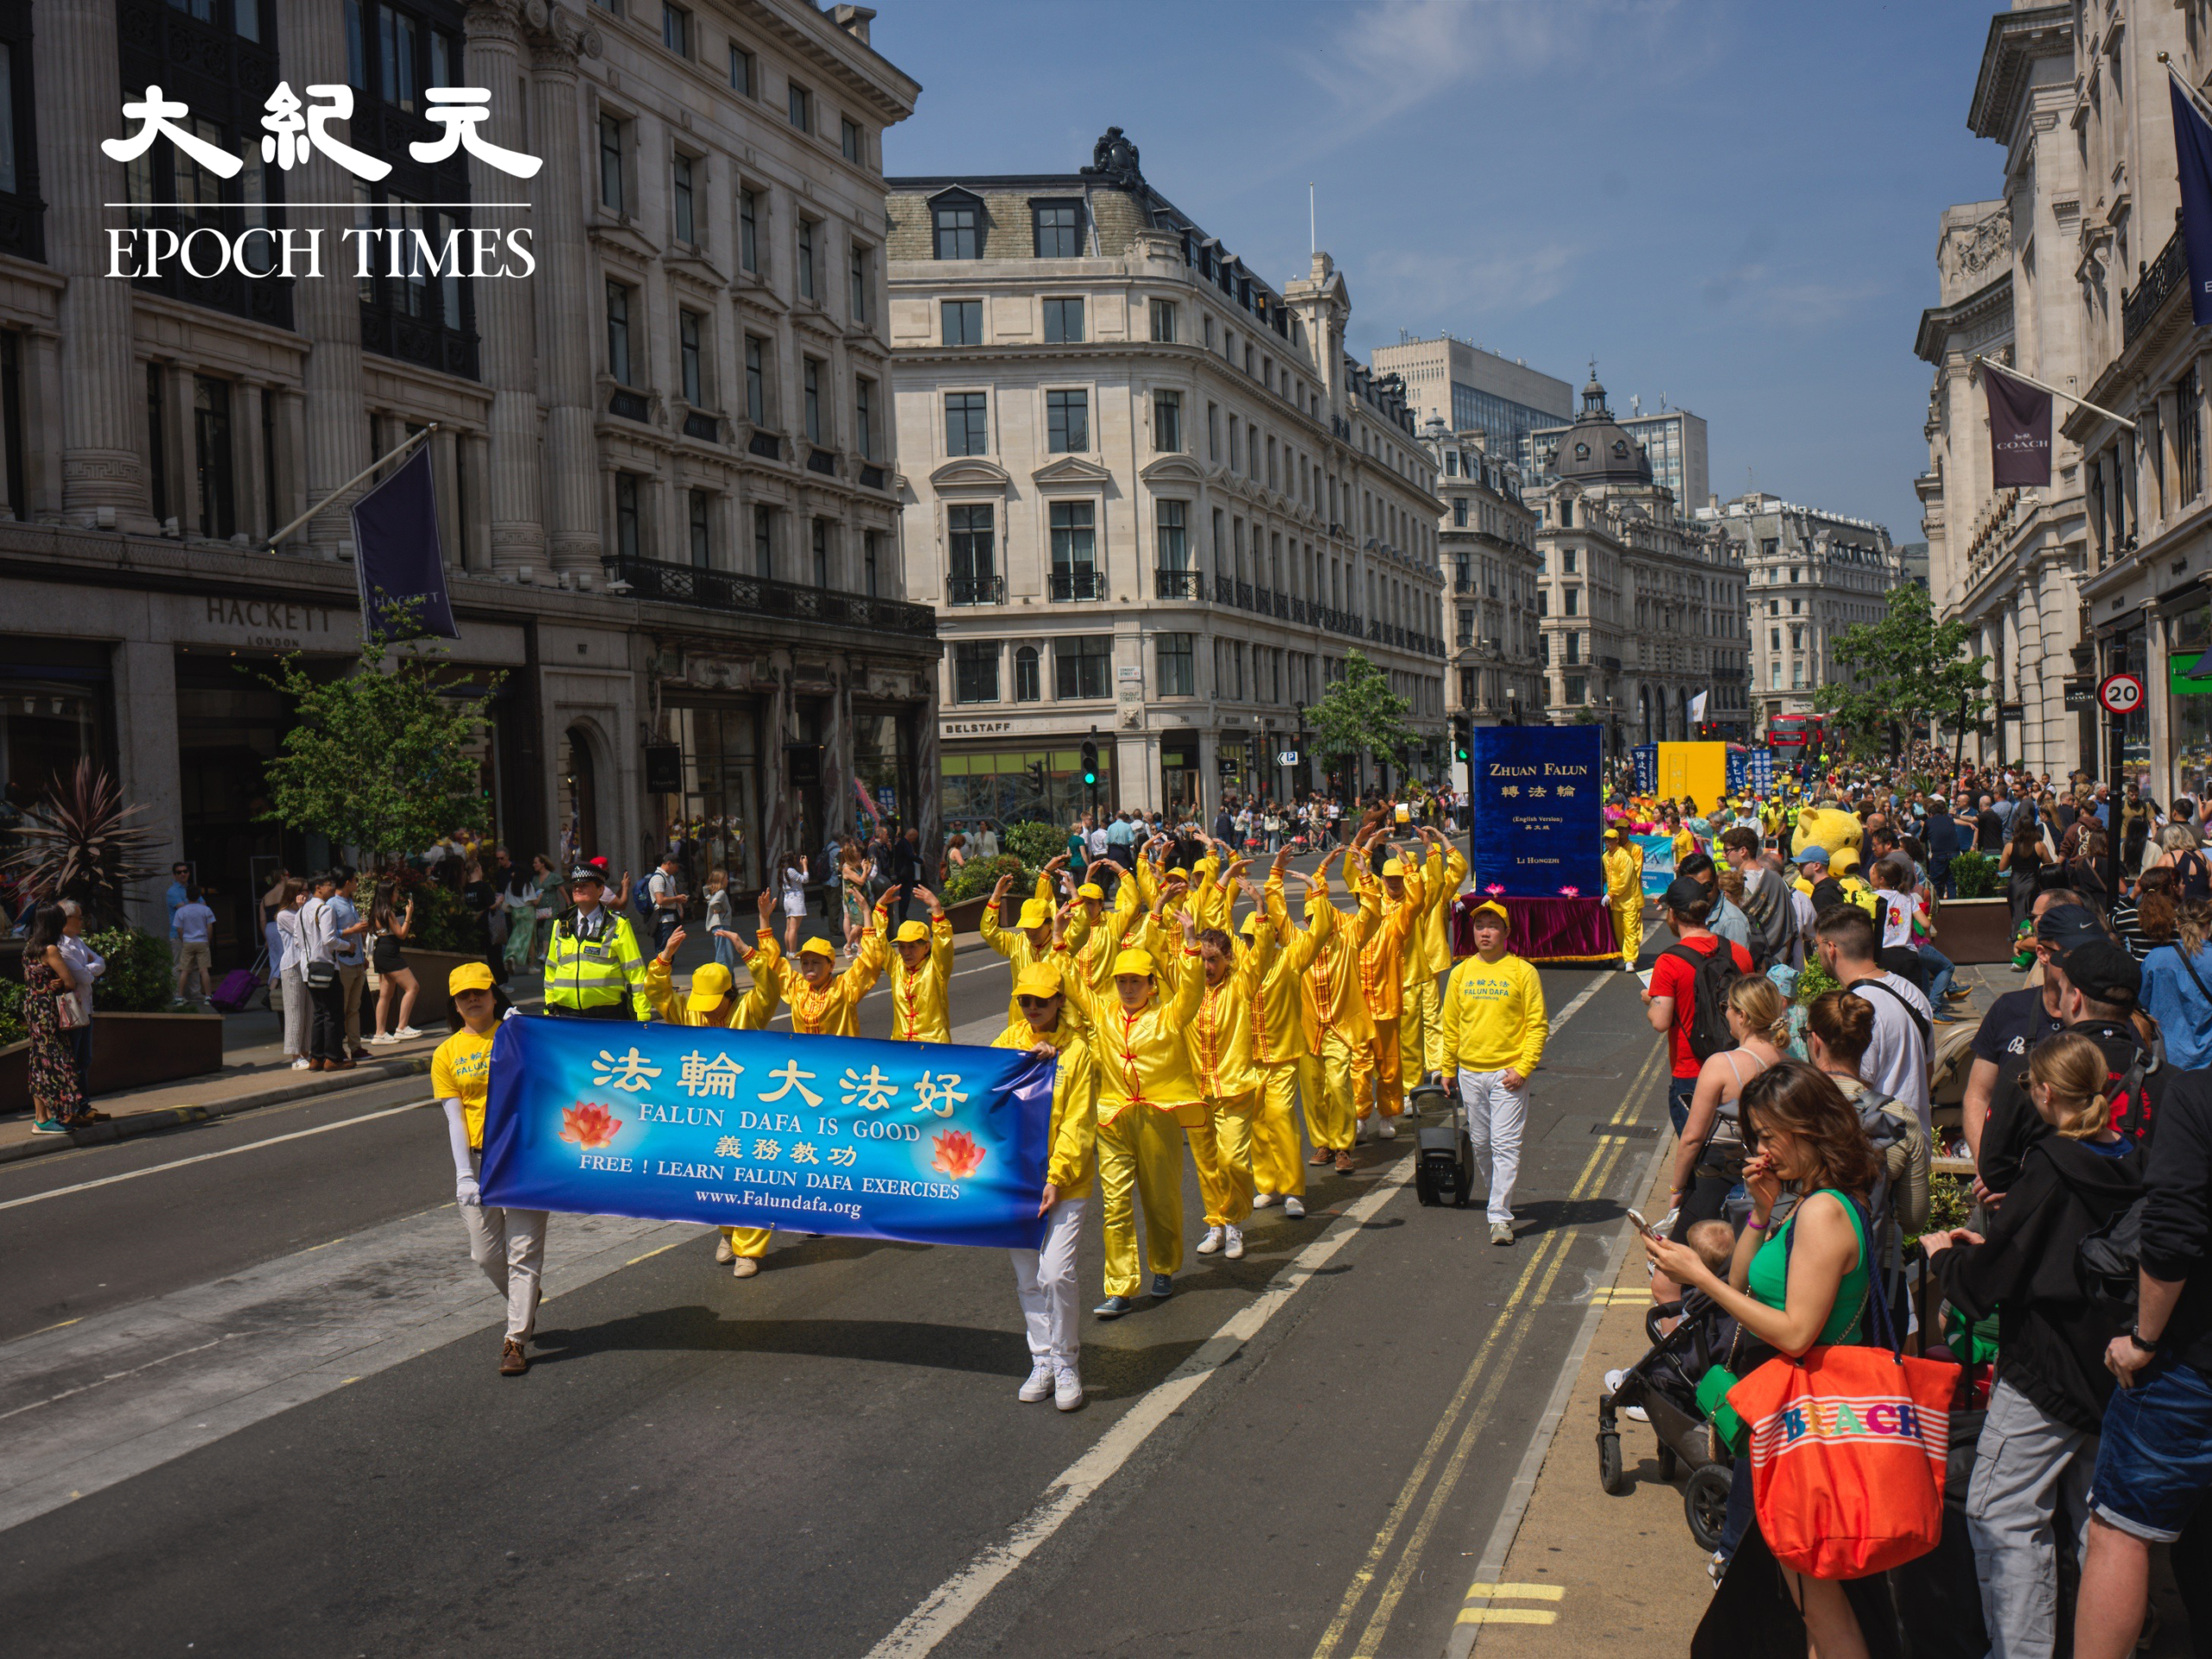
294,131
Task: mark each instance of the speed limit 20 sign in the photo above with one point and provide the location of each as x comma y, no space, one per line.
2120,694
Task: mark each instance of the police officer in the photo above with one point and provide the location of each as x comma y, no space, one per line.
594,969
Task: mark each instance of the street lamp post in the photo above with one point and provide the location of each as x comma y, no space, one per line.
1513,705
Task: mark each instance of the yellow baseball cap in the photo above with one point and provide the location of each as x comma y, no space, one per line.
911,933
469,976
1090,890
1039,979
1035,913
1493,908
1251,922
710,985
1134,961
1392,867
818,948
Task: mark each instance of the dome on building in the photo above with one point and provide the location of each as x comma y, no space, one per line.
1596,449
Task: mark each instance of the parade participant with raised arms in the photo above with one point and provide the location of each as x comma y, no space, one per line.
1382,980
823,1002
1339,1031
1279,1046
1045,1279
1030,940
1219,1037
1145,1090
508,1244
920,959
713,1001
1428,954
1093,960
594,968
1623,865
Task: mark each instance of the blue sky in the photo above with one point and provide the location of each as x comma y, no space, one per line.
1732,204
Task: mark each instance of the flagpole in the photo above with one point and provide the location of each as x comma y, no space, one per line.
416,438
2005,369
2188,91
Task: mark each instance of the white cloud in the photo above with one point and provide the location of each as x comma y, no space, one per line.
1415,284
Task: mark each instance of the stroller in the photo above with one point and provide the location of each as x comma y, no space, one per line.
1664,1383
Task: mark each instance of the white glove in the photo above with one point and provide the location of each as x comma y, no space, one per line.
466,1192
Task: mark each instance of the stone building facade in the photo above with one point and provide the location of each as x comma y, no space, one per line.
1154,500
1472,389
1487,537
1810,576
2022,278
1642,607
667,478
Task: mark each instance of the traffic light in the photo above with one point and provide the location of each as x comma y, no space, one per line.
1462,737
1089,764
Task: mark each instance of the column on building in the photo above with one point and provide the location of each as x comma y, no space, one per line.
507,326
325,313
561,288
76,57
148,769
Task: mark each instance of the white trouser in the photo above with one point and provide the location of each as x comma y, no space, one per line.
1046,1282
510,1246
1495,1114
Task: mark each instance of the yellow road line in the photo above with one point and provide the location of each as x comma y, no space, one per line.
1518,1591
1603,1155
1507,1616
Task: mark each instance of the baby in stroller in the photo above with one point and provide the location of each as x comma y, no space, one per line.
1661,1389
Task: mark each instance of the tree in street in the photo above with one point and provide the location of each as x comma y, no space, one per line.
1361,712
381,757
1902,672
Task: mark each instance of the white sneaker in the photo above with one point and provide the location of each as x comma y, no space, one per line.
1261,1200
1386,1129
375,1039
1040,1380
1210,1243
405,1032
1613,1381
1635,1413
302,1065
1234,1249
1294,1208
1364,1131
1067,1389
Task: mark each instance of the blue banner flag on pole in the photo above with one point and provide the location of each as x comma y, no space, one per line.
931,1143
1538,793
2193,163
396,555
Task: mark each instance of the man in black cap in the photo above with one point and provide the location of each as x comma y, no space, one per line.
2097,983
2020,1020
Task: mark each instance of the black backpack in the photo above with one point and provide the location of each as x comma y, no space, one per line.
1712,974
2196,876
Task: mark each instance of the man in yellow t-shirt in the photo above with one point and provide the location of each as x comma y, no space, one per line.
508,1244
1494,1033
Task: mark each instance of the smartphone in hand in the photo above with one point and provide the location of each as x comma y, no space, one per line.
1636,1220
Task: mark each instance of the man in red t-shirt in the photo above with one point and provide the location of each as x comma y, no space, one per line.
1670,1004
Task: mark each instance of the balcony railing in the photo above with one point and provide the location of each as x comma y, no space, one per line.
1243,596
1077,584
1225,591
976,590
1178,584
2166,273
1298,611
1282,606
778,601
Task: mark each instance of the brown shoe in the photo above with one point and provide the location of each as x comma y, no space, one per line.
745,1267
1343,1161
1322,1158
513,1361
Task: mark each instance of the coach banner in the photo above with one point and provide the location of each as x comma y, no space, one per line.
1539,800
928,1142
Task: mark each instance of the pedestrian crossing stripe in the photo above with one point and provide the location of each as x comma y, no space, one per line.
1496,1615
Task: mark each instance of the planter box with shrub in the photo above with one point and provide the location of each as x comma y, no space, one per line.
129,1051
1977,926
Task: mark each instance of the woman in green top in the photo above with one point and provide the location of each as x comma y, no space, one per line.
1794,1293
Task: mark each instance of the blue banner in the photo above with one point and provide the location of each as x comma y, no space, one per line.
1539,800
397,559
1646,767
1658,863
927,1142
1759,768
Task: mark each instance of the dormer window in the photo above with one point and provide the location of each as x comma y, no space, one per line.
959,225
1058,229
1582,452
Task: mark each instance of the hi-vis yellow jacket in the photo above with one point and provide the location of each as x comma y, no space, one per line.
603,970
1072,1153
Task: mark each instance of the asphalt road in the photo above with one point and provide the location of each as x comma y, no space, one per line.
1301,1452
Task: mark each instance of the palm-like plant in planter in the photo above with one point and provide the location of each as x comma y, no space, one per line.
78,843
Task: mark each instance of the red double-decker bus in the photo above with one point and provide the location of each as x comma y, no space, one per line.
1796,736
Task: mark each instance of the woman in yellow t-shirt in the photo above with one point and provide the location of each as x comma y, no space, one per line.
508,1244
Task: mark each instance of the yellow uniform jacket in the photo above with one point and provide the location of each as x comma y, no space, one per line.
1330,1000
1278,1021
1442,876
750,1012
920,999
1142,1060
1382,953
1094,959
1221,1035
833,1011
1072,1148
1014,944
1624,875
